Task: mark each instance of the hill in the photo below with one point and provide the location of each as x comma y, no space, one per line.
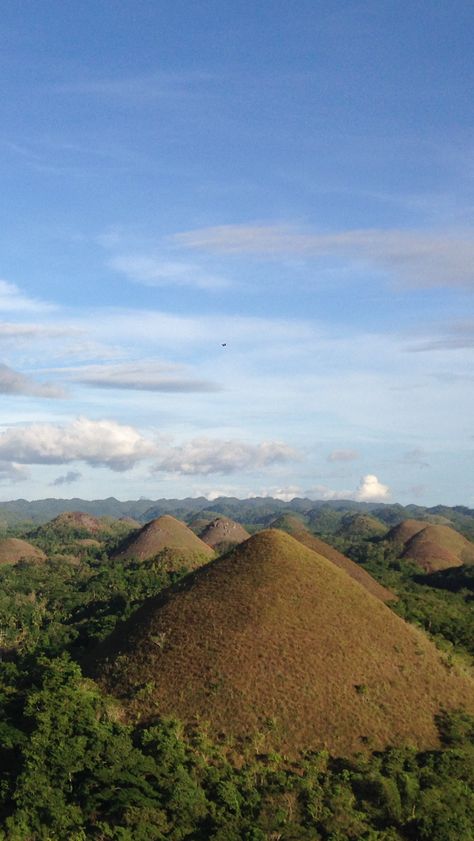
275,643
432,547
357,526
165,533
295,527
13,550
222,534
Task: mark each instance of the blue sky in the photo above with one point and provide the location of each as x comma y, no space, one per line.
236,249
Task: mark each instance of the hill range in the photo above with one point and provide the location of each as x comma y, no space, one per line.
273,641
325,517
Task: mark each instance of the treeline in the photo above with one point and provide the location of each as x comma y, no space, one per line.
71,770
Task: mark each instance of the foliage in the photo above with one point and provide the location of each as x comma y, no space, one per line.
71,769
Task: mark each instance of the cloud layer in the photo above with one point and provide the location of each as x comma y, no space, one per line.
205,456
423,258
13,382
143,376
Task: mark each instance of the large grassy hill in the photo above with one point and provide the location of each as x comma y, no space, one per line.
273,642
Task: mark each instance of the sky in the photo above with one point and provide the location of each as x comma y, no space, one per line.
236,251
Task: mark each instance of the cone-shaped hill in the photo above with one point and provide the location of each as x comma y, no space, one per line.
295,527
165,533
222,534
76,520
432,547
13,550
356,526
273,639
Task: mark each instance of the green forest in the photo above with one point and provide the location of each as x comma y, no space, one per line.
72,768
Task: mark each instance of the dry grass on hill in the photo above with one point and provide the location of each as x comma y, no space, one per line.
296,528
276,647
432,547
405,530
223,533
13,550
77,520
165,533
361,525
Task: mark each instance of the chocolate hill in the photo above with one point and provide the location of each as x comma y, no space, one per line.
272,639
77,520
165,533
295,527
357,526
13,550
432,547
222,534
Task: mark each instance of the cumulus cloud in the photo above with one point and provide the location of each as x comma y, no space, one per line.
371,490
204,456
342,455
142,376
153,271
423,258
13,382
68,479
103,442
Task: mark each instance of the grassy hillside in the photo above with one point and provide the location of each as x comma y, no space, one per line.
165,533
294,526
275,642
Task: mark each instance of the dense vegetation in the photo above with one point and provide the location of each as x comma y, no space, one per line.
71,769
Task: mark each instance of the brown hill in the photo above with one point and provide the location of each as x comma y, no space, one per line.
432,547
222,534
295,527
165,533
404,531
77,520
275,643
13,550
439,547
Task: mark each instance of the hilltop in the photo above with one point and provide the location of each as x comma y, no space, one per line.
295,526
12,550
222,533
357,526
432,547
272,639
165,533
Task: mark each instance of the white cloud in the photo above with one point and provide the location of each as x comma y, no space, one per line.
285,494
153,271
13,382
371,490
204,456
142,376
343,455
12,299
101,442
440,258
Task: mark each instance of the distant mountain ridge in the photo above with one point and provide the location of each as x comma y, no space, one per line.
323,516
